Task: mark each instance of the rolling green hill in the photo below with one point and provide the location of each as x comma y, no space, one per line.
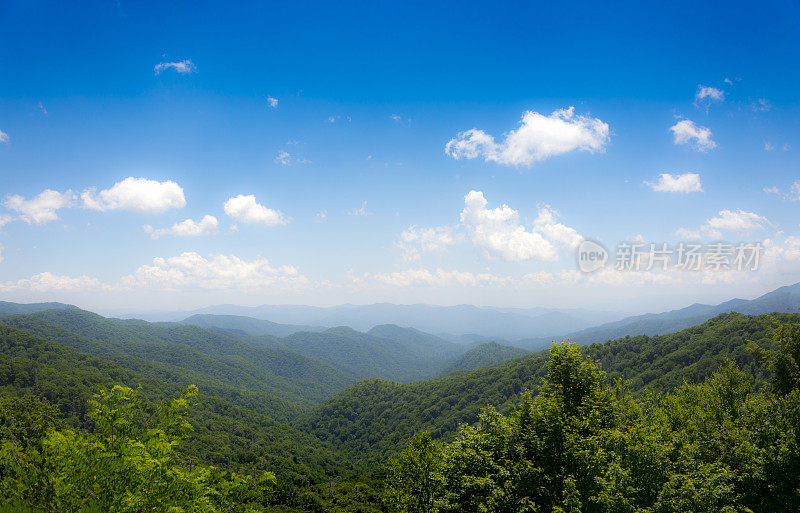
7,308
250,325
225,434
367,355
484,355
286,380
371,419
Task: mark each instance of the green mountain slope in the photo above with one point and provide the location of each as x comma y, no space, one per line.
294,379
371,419
484,355
7,308
369,356
419,342
225,434
250,325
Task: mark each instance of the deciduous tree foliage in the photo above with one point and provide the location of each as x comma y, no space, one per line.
582,445
126,464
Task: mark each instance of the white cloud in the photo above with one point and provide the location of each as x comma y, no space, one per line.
687,234
546,223
272,102
687,182
707,95
361,211
183,67
136,195
498,232
41,209
217,272
246,210
537,138
413,240
49,282
188,228
321,216
772,190
5,219
768,146
686,132
3,137
740,221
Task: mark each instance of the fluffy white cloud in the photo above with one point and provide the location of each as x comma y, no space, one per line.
272,102
136,195
498,232
217,272
546,223
687,182
739,221
687,132
3,137
414,239
183,67
707,95
49,282
537,138
41,209
247,210
188,228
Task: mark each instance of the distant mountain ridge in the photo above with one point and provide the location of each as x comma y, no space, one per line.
249,325
782,300
482,322
7,308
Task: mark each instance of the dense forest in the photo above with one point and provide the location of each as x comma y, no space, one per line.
102,414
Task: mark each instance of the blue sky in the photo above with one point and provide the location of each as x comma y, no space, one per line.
141,115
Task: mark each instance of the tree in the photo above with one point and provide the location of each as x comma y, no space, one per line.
415,480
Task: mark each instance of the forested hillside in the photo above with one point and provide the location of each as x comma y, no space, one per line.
255,410
484,355
367,355
7,308
210,356
372,418
240,323
225,434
